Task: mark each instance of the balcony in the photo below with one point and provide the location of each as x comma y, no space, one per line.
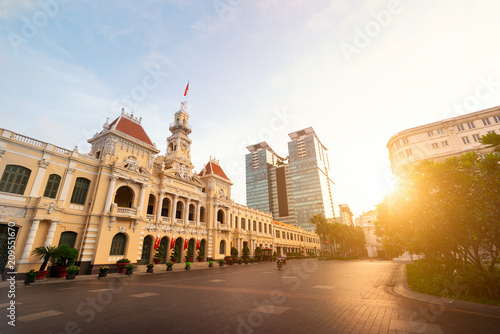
165,219
124,212
203,225
151,217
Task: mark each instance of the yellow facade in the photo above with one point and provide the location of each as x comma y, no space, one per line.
115,201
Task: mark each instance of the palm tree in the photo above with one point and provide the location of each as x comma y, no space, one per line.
45,253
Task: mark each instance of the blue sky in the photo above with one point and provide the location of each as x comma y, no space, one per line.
358,72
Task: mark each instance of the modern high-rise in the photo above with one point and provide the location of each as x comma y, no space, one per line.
295,188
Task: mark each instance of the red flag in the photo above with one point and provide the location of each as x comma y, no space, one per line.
185,244
172,244
197,244
157,242
186,90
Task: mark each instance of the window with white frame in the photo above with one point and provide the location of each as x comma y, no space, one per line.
460,127
471,125
475,137
465,140
486,121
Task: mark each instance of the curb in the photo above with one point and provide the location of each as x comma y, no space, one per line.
401,289
139,271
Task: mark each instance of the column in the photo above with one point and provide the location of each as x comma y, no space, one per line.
39,178
67,182
50,234
174,208
160,206
198,214
30,240
216,208
186,216
111,190
141,198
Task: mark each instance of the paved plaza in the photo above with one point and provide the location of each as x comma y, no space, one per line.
307,296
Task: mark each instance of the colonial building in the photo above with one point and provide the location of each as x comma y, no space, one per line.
443,139
115,201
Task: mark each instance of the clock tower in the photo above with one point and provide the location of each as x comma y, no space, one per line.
178,144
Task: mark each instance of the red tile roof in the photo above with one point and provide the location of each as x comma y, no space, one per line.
131,128
214,168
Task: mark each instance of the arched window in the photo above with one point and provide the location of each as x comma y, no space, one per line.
165,207
243,223
202,214
254,225
146,249
260,227
80,191
52,186
222,248
179,210
151,204
14,179
124,197
220,216
118,244
68,238
236,222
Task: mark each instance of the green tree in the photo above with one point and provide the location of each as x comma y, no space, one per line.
446,210
245,253
492,140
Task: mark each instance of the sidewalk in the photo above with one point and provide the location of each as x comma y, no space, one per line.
159,269
401,288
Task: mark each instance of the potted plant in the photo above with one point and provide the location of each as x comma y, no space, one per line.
129,268
30,277
45,253
175,254
211,263
227,259
239,260
65,257
246,254
201,253
189,254
103,271
158,255
71,272
252,260
221,262
234,253
150,268
258,254
170,264
188,265
121,265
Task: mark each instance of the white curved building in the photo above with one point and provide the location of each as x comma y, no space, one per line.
443,139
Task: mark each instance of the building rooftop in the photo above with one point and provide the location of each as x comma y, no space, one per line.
212,167
130,126
263,146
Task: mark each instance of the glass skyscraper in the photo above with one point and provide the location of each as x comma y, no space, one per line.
293,188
